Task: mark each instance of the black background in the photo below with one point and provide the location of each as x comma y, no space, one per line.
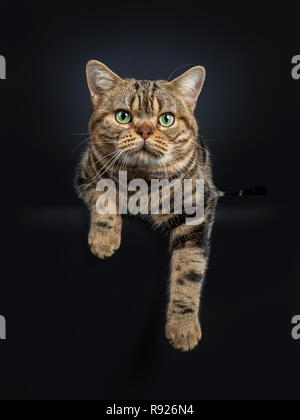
79,328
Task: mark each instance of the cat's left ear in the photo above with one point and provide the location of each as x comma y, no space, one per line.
100,80
189,85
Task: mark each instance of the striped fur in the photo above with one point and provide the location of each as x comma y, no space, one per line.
173,152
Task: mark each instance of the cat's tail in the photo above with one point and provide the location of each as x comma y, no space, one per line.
258,190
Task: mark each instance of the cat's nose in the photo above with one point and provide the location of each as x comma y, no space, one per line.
144,131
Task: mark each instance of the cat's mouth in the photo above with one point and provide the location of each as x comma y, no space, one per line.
146,150
143,156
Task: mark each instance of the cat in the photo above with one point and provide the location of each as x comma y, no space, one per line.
148,128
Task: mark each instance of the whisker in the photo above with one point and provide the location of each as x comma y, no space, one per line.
114,161
78,134
178,171
106,156
80,144
198,164
98,173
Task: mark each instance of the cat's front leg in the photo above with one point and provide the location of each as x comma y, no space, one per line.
189,246
105,234
105,230
190,252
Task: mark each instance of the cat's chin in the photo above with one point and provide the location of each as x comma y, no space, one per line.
141,158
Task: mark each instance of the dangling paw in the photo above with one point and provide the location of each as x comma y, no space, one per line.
104,239
184,333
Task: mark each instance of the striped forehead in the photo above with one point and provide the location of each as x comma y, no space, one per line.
148,98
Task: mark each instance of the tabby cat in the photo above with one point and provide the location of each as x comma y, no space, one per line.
149,129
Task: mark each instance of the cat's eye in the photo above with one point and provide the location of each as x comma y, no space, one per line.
123,117
166,120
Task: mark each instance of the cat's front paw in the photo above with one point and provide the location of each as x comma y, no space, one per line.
104,240
184,333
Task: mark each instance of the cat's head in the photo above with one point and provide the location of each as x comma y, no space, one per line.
143,123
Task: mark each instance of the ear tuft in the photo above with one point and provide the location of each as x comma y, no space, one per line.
100,80
190,84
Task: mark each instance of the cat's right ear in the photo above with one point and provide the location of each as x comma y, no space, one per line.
100,80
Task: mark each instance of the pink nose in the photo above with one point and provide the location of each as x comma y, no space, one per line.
144,132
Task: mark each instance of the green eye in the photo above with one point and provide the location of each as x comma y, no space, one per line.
123,117
166,120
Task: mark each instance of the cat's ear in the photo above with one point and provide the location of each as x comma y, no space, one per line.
100,80
189,85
